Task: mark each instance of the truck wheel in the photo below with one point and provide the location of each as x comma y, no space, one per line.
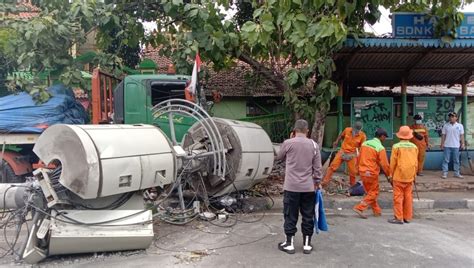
7,175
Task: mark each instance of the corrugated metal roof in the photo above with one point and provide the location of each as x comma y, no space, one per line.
398,42
431,90
385,61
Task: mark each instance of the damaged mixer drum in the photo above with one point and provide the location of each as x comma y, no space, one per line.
97,193
249,155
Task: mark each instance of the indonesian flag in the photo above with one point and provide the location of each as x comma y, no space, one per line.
191,90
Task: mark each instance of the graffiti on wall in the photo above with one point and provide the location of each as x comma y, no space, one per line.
374,113
434,111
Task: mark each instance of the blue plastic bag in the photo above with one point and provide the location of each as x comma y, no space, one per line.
20,114
320,223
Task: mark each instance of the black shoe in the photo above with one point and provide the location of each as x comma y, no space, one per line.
307,247
405,221
395,221
287,246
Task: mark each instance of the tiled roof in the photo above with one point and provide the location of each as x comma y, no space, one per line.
28,5
27,10
238,81
24,15
162,62
80,93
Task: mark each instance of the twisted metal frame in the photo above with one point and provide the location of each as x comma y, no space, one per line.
187,108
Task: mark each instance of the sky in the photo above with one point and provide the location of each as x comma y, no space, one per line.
384,26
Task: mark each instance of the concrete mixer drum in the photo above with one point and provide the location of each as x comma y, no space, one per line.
249,155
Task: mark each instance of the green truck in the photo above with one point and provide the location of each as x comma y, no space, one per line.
133,99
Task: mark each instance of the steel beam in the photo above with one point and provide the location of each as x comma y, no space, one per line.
340,108
404,102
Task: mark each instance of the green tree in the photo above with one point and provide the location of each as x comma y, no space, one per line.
48,40
6,62
289,42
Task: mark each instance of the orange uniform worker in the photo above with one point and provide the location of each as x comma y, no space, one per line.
353,139
421,140
403,168
372,156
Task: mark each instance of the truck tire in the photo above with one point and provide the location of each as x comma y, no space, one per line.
7,175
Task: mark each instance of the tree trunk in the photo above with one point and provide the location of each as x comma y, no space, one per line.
317,132
277,80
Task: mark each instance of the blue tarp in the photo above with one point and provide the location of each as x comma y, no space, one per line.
20,114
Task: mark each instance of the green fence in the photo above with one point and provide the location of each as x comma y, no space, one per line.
277,126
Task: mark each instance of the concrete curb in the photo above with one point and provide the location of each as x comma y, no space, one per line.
470,203
348,203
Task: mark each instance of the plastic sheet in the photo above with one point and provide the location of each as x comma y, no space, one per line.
20,114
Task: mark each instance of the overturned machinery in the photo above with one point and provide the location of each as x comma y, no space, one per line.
104,184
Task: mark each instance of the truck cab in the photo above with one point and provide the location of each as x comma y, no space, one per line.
136,95
131,100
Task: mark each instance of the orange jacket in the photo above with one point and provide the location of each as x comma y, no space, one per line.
423,131
350,142
372,156
404,161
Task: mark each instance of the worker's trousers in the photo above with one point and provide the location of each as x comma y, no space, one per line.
421,158
295,203
371,186
403,200
336,163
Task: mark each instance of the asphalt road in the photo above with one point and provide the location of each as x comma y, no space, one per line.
441,239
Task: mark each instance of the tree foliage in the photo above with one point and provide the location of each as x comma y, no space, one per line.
6,61
289,42
45,43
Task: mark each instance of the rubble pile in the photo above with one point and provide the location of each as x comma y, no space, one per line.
337,185
278,169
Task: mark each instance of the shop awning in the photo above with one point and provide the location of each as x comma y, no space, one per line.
386,61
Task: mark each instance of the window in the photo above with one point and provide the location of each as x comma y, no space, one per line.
166,89
253,109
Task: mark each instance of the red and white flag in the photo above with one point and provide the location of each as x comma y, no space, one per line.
190,92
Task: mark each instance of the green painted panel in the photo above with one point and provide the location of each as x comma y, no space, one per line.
135,101
331,131
230,109
470,125
277,126
434,111
181,125
374,112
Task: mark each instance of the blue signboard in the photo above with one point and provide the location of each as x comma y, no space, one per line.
466,29
417,25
